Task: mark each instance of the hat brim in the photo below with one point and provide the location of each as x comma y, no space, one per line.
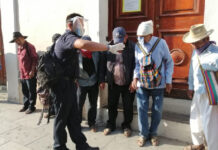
12,41
118,40
188,39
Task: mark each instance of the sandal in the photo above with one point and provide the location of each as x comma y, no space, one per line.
127,132
107,131
195,147
154,141
141,141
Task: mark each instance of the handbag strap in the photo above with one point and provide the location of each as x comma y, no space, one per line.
202,70
152,49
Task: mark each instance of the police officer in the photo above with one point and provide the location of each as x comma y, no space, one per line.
66,108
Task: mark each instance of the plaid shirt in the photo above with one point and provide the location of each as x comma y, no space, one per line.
27,58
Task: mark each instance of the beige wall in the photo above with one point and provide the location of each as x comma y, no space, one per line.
210,17
42,18
39,20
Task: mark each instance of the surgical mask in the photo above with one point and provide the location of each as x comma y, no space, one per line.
141,40
77,25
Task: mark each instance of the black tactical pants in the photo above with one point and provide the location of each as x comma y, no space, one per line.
67,115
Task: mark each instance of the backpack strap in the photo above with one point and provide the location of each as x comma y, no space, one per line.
152,49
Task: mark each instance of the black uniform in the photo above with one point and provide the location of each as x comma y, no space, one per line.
66,108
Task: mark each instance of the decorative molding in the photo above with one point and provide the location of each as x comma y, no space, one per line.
178,56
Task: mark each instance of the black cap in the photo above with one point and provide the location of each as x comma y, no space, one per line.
17,35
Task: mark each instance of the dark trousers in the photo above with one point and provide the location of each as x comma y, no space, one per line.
92,92
114,92
29,92
67,115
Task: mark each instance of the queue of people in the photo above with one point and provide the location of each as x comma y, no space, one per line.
143,69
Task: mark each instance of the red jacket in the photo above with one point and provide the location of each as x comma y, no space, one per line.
28,59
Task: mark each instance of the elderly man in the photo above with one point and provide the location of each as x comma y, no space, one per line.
153,73
27,58
119,72
203,118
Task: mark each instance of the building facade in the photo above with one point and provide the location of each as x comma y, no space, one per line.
39,20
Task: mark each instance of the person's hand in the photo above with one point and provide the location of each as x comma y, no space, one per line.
134,84
190,94
102,86
31,74
168,88
131,89
117,48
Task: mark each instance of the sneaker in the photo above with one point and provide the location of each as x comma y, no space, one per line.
127,132
30,110
93,128
23,109
107,131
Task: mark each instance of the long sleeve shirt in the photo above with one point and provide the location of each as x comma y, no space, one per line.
159,55
28,59
209,61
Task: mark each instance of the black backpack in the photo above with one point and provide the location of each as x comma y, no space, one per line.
49,69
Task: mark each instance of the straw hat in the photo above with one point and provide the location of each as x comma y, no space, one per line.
196,33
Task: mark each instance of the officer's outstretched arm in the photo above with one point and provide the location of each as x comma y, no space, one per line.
93,46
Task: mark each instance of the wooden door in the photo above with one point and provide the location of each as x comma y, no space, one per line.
118,16
172,18
2,59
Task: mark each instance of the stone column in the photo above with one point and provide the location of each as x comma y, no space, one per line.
10,23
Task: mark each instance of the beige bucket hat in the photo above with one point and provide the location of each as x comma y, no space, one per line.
196,33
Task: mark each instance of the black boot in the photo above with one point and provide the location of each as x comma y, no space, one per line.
92,148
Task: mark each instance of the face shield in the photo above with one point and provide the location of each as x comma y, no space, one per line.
78,25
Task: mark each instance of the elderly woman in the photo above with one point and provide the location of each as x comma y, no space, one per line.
203,118
153,73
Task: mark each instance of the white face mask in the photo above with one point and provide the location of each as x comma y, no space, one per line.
141,40
78,25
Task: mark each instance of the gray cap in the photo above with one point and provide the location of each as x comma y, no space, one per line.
118,35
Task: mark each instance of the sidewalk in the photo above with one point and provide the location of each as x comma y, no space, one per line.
19,131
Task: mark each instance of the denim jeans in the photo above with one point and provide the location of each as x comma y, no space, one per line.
143,106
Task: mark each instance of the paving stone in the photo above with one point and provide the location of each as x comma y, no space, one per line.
19,131
13,146
3,141
24,135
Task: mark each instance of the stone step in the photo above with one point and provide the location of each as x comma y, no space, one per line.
3,88
172,126
3,92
